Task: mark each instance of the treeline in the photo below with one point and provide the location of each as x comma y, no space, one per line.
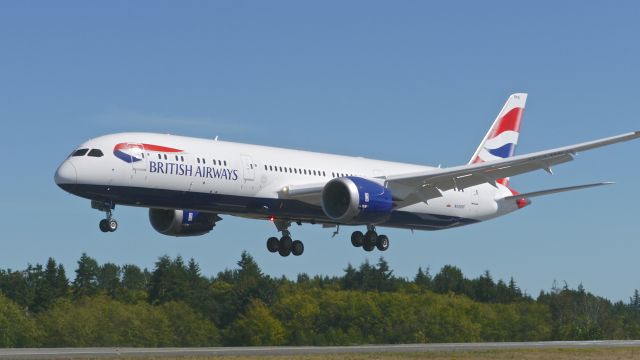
175,305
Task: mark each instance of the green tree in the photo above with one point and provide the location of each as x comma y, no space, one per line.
189,328
17,329
484,289
109,279
256,327
168,281
423,279
86,281
247,283
102,321
449,279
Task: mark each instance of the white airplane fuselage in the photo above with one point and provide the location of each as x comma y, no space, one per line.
246,180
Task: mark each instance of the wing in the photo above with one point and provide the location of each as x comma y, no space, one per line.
412,188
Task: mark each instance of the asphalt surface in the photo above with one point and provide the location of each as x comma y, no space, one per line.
82,353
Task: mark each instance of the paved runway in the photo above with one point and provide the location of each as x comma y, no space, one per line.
81,353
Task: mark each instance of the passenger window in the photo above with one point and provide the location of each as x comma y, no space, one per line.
80,152
95,153
159,156
181,158
176,157
225,163
165,156
198,159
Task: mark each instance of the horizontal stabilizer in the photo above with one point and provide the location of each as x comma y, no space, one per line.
553,191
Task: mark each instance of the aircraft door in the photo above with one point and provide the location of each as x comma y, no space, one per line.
475,197
137,152
138,164
248,169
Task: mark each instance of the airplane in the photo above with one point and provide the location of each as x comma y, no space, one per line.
186,183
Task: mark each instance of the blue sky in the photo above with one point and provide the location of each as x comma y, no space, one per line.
409,81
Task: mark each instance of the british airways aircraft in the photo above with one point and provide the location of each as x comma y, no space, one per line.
187,183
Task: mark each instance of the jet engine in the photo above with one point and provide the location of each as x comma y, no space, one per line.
354,200
182,222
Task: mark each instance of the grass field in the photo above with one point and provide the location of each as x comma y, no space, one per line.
534,354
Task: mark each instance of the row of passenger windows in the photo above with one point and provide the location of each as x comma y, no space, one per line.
92,152
290,170
199,160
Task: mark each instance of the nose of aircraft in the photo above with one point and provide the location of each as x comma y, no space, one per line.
66,174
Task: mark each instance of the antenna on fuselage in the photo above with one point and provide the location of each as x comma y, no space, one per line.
216,138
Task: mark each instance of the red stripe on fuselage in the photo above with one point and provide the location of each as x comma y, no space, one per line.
159,148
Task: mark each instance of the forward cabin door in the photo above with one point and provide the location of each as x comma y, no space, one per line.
248,172
137,151
138,164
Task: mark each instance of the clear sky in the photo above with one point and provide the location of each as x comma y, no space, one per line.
411,81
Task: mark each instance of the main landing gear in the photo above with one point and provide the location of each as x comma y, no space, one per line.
108,224
370,240
285,246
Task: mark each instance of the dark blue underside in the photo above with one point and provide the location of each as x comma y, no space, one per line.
247,206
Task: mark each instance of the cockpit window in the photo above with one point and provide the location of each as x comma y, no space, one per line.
95,153
80,152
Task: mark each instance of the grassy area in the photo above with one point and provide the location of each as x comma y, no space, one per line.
533,354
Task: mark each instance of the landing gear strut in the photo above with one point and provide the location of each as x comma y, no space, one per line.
370,240
108,224
285,246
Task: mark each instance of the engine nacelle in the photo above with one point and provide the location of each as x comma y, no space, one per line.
182,222
354,200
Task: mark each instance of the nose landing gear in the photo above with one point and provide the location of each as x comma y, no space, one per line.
108,224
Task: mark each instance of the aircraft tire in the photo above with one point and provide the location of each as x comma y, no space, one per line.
273,244
112,225
103,225
297,248
368,247
371,238
357,238
285,243
382,243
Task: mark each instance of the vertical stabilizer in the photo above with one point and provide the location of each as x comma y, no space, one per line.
501,139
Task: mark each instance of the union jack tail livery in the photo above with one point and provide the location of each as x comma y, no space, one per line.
501,139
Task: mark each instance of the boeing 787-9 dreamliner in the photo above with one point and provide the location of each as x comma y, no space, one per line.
188,182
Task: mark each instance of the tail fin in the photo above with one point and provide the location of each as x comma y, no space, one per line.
501,139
